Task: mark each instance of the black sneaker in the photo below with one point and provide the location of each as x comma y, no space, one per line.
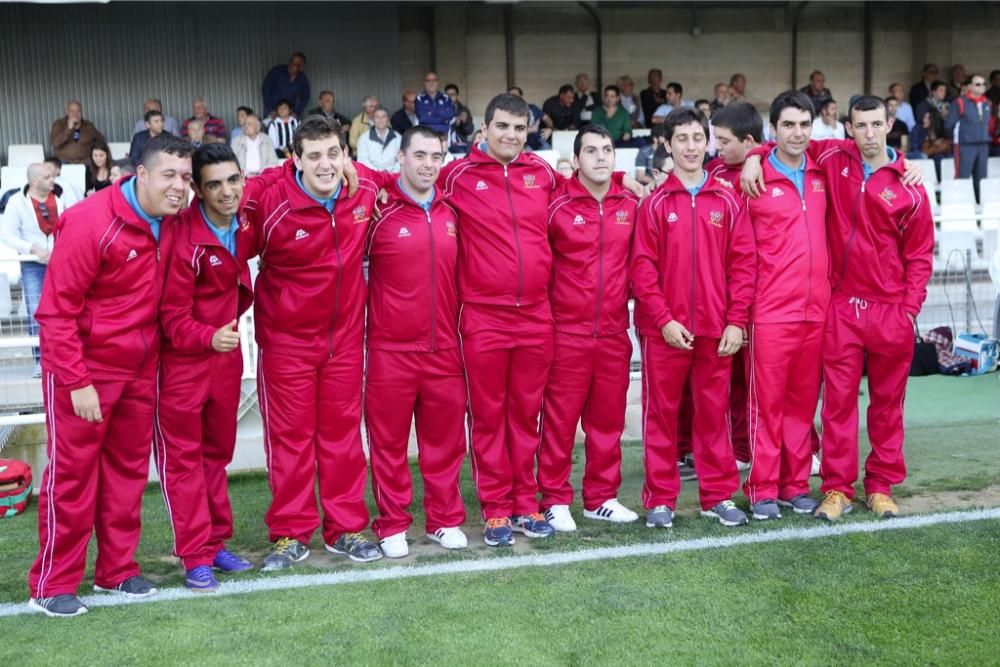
59,606
287,550
355,546
133,587
685,467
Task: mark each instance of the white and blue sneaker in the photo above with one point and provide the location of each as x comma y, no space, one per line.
728,514
532,525
613,511
559,518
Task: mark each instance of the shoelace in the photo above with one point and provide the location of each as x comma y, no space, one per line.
859,305
284,545
839,497
354,539
536,516
496,523
661,508
727,505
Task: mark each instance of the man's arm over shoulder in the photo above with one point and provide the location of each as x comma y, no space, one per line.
917,229
741,266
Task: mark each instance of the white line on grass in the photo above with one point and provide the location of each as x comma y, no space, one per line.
539,560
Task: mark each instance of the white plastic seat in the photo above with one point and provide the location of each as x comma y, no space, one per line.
119,150
625,160
947,169
993,167
13,177
958,217
550,156
21,155
562,142
989,189
960,241
958,191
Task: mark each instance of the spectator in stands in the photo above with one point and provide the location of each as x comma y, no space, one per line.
406,116
434,108
994,92
27,226
98,174
282,128
614,117
721,98
196,134
254,150
286,82
928,134
817,90
462,127
905,111
538,134
170,123
976,119
379,147
72,137
653,96
958,81
644,159
154,127
738,88
558,109
630,101
327,109
241,117
826,124
214,129
565,167
705,107
363,121
65,190
675,100
899,135
921,90
585,100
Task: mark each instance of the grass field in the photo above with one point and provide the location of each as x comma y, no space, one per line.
921,596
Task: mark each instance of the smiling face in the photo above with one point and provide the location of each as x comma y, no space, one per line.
506,135
731,150
221,189
99,157
687,147
420,164
596,160
792,133
870,129
162,185
321,164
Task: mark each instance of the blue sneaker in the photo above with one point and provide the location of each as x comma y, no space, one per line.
533,525
227,561
200,579
498,532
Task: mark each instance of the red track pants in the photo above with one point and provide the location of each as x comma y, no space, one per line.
737,413
94,482
193,443
783,377
856,329
431,387
311,408
665,370
589,380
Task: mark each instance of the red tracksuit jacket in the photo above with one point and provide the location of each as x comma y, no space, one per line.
505,254
413,304
206,288
793,263
730,173
881,233
592,241
693,259
99,309
311,290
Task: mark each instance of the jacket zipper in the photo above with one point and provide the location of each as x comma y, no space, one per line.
340,269
517,240
159,295
805,219
850,237
694,259
600,266
430,234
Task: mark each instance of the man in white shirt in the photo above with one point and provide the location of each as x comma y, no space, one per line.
379,146
675,100
254,150
27,227
826,125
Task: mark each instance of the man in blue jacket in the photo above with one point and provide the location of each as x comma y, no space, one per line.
286,82
974,114
434,108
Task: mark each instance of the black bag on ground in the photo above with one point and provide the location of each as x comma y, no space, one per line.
925,357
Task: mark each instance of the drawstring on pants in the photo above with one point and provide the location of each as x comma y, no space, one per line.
859,305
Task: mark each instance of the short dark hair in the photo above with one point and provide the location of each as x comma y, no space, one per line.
825,104
676,87
284,102
298,54
617,90
512,104
164,143
994,73
451,86
599,130
740,118
317,127
654,70
791,99
151,114
566,88
244,109
867,103
683,116
698,103
520,91
660,157
937,83
421,130
210,154
657,131
56,162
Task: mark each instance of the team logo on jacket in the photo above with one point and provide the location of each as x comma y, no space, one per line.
300,234
715,218
132,254
817,185
777,192
578,220
843,172
621,218
481,185
450,229
360,213
529,181
404,232
214,261
672,218
244,223
888,196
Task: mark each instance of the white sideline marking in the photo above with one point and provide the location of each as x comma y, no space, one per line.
539,560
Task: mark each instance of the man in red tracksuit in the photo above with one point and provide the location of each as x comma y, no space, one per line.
692,273
100,343
881,238
501,195
414,365
309,318
591,220
207,288
787,316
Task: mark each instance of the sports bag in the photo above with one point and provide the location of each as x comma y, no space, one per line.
15,487
925,359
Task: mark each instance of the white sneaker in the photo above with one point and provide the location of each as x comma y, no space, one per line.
559,518
814,472
450,538
742,466
613,511
395,546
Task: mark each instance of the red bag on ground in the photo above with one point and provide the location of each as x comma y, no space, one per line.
15,487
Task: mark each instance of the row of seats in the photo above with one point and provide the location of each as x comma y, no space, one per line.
21,155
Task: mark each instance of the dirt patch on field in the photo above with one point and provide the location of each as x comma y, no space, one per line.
950,500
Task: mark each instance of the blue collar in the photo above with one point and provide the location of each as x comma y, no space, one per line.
325,203
426,205
796,175
227,237
128,189
869,171
695,189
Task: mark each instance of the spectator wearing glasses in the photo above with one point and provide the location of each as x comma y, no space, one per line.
27,227
921,90
976,118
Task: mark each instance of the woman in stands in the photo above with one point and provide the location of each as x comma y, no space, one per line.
98,168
